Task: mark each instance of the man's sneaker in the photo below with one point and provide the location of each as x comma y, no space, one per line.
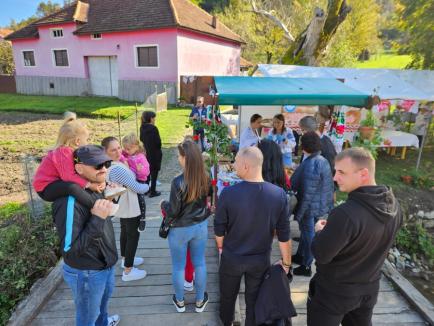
113,320
296,259
158,183
200,306
179,305
302,271
134,275
137,261
115,208
142,225
188,286
113,192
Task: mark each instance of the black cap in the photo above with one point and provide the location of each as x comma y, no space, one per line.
90,155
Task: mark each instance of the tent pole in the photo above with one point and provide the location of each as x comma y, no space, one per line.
423,144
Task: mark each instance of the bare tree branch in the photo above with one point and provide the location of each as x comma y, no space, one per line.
270,16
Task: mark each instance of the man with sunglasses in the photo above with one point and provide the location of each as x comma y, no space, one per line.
87,242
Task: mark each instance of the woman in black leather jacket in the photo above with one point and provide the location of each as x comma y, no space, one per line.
187,214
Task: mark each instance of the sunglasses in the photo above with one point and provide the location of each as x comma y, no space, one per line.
106,165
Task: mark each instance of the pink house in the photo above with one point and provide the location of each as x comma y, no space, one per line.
123,48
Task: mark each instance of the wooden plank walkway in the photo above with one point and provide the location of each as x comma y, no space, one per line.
148,301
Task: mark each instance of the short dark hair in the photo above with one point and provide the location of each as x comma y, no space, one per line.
310,142
106,141
255,117
147,116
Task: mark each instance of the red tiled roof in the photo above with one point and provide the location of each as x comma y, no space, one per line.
5,32
106,16
245,63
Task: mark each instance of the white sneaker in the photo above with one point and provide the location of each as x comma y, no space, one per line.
113,320
112,192
188,286
158,183
137,261
133,275
115,208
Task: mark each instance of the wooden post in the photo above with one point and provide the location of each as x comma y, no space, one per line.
404,151
119,125
393,151
137,121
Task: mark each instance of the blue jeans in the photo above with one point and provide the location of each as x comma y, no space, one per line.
307,232
194,237
91,290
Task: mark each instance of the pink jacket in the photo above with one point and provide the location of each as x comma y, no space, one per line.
138,164
57,165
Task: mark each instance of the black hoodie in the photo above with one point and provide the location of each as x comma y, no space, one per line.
353,245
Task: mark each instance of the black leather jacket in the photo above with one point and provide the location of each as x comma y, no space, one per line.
178,212
88,241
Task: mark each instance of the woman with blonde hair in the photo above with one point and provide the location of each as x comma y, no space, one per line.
56,176
187,216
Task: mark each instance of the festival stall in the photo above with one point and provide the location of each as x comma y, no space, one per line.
270,95
401,93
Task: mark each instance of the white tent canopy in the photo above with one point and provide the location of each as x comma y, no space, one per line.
386,83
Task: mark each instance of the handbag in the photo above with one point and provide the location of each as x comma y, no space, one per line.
163,232
292,200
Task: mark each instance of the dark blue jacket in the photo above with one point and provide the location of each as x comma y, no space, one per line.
313,182
201,116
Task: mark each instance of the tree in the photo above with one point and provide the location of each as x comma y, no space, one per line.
46,8
417,22
6,59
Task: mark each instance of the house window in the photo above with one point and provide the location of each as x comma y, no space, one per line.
29,58
96,36
58,32
147,56
61,58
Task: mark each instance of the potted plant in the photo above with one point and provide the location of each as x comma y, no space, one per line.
368,126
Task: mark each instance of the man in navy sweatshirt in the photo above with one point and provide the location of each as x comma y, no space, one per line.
351,246
248,214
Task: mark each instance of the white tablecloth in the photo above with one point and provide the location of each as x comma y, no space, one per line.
395,138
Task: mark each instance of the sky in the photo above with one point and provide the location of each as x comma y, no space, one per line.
18,9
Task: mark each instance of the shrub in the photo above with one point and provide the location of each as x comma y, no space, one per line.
28,248
415,240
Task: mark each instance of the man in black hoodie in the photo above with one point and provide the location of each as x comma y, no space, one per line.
351,246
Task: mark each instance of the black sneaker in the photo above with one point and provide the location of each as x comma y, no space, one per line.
296,259
200,306
296,239
154,194
179,305
302,271
142,225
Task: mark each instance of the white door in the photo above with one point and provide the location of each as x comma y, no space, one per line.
103,74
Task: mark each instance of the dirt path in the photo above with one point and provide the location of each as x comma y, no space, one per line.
34,134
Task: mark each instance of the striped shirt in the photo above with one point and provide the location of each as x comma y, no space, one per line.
122,175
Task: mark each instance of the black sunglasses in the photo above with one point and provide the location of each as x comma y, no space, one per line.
106,164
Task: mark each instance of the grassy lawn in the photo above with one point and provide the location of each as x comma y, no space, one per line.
393,61
104,107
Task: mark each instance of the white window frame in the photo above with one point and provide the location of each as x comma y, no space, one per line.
34,57
53,58
56,29
136,57
92,36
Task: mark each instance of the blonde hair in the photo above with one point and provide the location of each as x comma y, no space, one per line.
360,157
71,129
131,139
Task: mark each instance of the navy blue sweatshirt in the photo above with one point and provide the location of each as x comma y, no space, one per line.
247,215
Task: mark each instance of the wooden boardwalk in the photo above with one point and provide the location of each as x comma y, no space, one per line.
148,301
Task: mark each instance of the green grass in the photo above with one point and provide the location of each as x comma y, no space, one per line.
393,61
171,125
104,107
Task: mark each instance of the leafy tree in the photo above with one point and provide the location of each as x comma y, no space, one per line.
417,22
6,59
46,8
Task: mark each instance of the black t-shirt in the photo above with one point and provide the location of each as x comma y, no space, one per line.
247,215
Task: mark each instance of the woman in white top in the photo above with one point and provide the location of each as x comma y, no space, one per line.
283,137
250,135
129,209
